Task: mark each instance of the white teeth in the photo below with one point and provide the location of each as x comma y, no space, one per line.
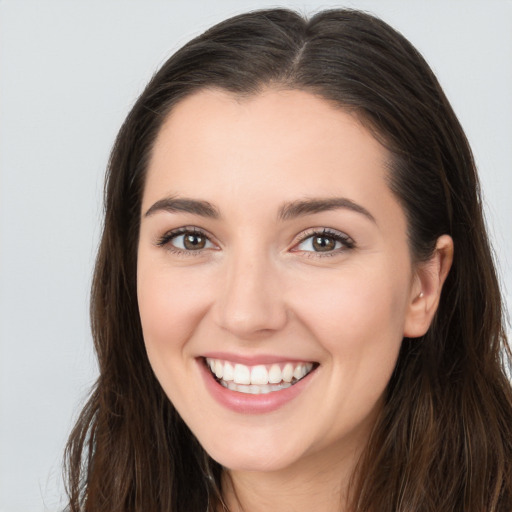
259,378
274,375
242,374
265,389
259,375
229,371
288,372
299,371
219,369
253,389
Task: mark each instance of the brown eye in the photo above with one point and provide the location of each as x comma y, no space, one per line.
326,241
184,241
323,243
194,242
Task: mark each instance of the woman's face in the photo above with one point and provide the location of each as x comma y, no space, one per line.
272,249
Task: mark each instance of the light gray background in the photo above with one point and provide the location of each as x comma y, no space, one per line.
69,72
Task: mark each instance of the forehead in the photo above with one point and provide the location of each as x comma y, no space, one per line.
249,157
277,134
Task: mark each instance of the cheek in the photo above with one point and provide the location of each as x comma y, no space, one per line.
358,317
358,320
354,300
171,304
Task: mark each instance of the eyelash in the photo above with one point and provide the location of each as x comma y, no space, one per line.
346,242
337,236
165,240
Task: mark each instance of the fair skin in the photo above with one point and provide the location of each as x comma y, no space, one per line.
232,269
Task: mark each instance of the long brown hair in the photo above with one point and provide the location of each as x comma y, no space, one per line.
443,441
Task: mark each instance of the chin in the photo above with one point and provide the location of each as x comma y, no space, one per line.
253,461
242,455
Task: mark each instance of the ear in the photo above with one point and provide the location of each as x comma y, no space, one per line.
426,289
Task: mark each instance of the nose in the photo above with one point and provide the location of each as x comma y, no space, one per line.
251,303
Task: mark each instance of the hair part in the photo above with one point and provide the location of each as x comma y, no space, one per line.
443,440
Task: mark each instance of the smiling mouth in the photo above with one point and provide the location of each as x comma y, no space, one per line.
258,379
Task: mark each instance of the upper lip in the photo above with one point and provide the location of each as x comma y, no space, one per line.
253,360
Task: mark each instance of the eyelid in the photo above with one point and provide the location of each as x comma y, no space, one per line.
165,240
339,236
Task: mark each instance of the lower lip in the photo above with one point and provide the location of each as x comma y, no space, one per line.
246,403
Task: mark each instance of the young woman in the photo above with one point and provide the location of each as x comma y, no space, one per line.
294,304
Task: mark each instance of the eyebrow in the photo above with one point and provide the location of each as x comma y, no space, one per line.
177,204
288,211
317,205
